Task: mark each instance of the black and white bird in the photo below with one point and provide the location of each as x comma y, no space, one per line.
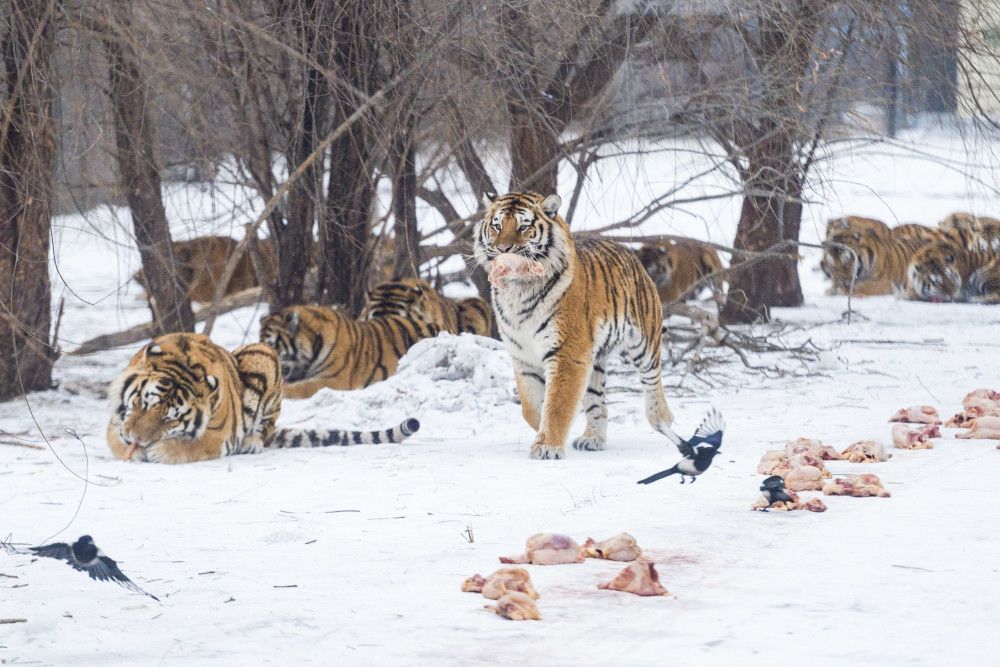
774,491
698,452
87,557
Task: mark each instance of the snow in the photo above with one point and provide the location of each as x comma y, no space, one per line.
356,555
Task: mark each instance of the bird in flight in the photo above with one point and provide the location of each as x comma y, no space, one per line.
698,452
87,557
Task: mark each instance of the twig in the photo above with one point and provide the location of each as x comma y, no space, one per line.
20,444
13,620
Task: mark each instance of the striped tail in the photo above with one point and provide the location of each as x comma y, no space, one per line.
286,438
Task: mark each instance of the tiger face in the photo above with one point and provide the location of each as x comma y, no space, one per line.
658,264
851,255
938,272
527,224
295,344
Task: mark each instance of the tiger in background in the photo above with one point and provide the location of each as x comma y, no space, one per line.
577,303
882,253
414,298
968,221
182,398
961,266
677,266
321,347
201,262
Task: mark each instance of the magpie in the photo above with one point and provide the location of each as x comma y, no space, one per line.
698,452
87,557
774,491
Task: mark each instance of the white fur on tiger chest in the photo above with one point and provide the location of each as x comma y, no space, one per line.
529,333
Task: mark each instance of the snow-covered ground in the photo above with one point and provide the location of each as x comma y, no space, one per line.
356,555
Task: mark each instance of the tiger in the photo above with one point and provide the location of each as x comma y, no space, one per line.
882,255
961,266
592,299
321,347
182,398
410,297
677,267
201,262
963,220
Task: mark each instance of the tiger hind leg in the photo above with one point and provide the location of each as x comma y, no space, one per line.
595,408
644,354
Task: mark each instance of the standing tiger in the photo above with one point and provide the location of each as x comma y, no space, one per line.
321,347
410,297
872,254
961,266
676,267
182,398
562,308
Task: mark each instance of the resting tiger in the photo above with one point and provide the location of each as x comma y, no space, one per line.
591,299
963,220
676,267
882,254
960,267
321,347
410,297
183,398
202,260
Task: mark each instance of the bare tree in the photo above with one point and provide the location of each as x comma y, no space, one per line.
27,154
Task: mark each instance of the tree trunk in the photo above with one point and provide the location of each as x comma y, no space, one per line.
533,154
27,155
404,198
764,222
140,179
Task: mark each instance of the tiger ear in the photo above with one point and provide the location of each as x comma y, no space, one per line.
488,198
154,350
292,319
551,204
212,382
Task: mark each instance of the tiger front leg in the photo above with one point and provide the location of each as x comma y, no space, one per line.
595,408
565,381
531,390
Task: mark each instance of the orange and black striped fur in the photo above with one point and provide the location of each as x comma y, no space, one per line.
882,254
963,220
963,265
201,262
413,298
677,267
182,398
594,300
320,347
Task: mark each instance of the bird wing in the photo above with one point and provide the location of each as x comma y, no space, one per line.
659,475
709,431
106,569
59,550
780,496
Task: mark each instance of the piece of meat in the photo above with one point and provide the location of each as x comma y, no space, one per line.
907,437
621,547
866,451
548,549
771,459
966,417
802,472
639,577
858,486
508,266
501,582
814,447
981,397
516,607
917,414
984,428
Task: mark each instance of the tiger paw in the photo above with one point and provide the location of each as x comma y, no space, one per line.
589,444
540,450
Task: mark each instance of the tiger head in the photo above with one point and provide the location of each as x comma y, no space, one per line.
851,254
937,272
296,335
527,224
658,262
163,395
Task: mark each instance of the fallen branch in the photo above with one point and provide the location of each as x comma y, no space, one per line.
20,444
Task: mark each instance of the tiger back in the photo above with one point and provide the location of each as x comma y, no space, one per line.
183,398
320,347
968,221
587,300
413,298
677,267
962,265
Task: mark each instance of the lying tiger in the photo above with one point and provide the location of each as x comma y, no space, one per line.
410,297
676,267
183,398
201,262
563,307
873,255
321,347
967,221
960,267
